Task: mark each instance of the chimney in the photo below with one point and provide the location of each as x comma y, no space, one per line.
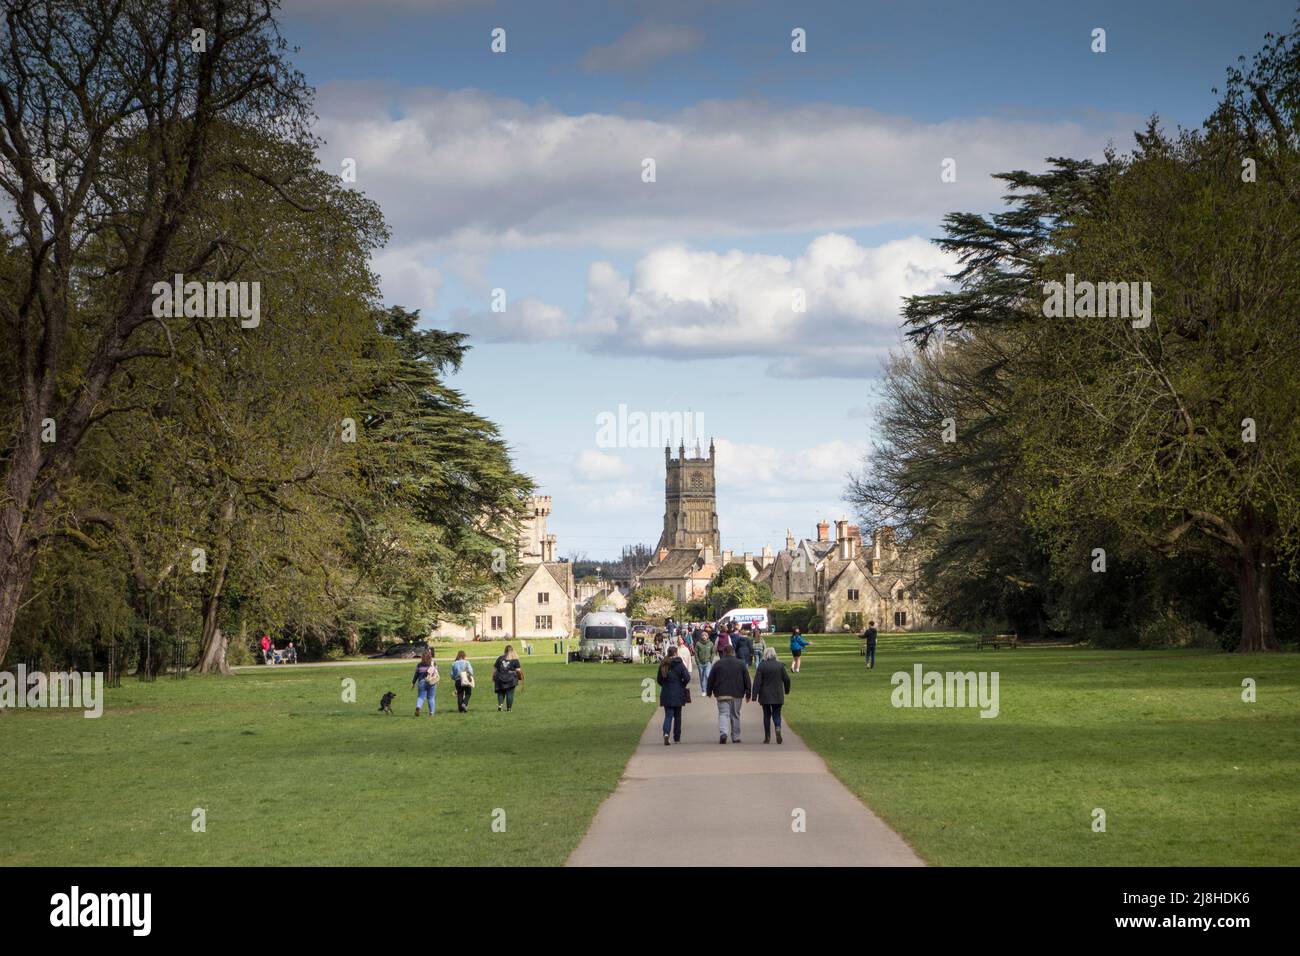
708,555
767,556
663,553
726,557
842,540
823,531
789,540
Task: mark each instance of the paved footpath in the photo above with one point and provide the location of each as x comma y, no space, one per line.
701,803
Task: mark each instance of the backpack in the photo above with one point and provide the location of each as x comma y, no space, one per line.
431,676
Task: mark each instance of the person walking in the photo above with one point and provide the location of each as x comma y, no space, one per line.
760,645
507,674
462,677
674,684
724,639
684,653
797,644
771,684
729,685
744,646
704,649
425,683
267,657
869,652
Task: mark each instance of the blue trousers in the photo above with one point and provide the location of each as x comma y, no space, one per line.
673,722
871,655
425,691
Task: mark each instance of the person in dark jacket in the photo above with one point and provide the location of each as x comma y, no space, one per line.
771,684
674,680
729,685
869,652
506,673
744,645
724,638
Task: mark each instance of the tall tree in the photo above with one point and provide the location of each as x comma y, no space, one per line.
110,136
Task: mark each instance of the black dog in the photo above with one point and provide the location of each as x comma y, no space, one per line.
386,702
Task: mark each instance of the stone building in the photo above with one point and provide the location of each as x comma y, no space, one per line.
541,602
792,572
688,555
856,585
690,502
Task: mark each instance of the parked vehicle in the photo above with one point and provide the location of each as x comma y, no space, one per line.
604,635
745,615
403,649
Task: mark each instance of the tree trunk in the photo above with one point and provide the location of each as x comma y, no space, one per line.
212,656
213,660
1254,573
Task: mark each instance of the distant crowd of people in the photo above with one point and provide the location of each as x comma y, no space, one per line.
723,660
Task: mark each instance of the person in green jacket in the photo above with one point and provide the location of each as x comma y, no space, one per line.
704,652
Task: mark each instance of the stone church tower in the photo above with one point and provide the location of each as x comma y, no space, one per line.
690,502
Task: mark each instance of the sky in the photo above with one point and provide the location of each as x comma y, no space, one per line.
518,180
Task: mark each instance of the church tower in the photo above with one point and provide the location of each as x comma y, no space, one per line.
690,501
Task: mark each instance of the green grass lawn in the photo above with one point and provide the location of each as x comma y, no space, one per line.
1186,772
288,773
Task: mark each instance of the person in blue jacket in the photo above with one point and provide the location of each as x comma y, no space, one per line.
797,644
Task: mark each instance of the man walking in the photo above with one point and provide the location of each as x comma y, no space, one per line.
729,685
704,659
869,652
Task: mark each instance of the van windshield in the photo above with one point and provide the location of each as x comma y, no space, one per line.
604,632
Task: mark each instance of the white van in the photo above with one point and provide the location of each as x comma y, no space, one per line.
745,615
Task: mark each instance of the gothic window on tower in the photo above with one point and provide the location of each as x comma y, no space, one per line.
697,481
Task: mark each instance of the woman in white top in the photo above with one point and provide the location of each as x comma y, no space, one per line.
684,652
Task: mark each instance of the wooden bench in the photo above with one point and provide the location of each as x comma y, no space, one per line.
997,641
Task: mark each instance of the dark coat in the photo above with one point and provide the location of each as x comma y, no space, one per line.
744,646
771,682
729,678
507,677
672,688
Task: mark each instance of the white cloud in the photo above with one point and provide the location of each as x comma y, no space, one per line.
527,320
469,170
641,46
769,472
595,466
683,302
407,279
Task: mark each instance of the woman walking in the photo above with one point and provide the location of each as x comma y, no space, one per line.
673,684
771,684
425,683
506,676
462,677
687,658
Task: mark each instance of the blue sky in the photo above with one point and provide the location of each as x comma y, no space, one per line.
775,171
